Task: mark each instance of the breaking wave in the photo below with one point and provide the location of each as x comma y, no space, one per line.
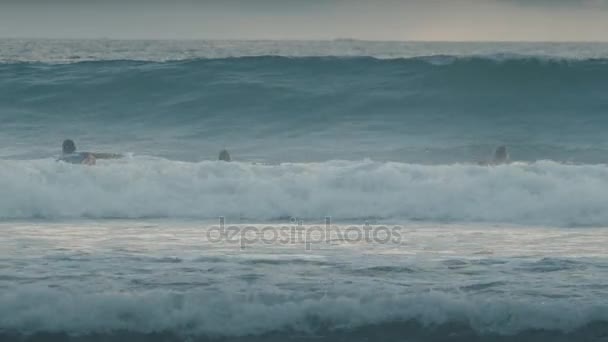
543,192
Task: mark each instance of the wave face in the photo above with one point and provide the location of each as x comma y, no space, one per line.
538,193
439,109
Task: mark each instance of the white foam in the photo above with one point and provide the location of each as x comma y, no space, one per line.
538,193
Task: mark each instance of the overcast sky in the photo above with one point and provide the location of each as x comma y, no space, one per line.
536,20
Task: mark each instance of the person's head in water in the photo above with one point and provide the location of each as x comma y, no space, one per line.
68,146
501,155
224,155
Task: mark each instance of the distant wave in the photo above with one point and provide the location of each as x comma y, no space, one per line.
433,59
538,193
70,51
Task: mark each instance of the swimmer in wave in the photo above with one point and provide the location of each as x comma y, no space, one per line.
70,155
501,156
224,156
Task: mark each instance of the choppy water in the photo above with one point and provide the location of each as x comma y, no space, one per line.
177,281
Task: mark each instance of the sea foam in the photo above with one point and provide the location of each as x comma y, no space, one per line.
543,192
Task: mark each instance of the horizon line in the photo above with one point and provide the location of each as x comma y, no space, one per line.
303,40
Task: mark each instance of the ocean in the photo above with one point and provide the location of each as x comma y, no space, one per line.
359,205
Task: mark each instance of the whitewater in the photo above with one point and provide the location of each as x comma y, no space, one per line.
344,136
541,193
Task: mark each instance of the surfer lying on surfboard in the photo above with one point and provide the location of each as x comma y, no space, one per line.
69,155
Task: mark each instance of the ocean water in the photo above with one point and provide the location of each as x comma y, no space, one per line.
355,209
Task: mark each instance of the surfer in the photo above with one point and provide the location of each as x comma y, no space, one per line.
69,155
501,156
224,155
